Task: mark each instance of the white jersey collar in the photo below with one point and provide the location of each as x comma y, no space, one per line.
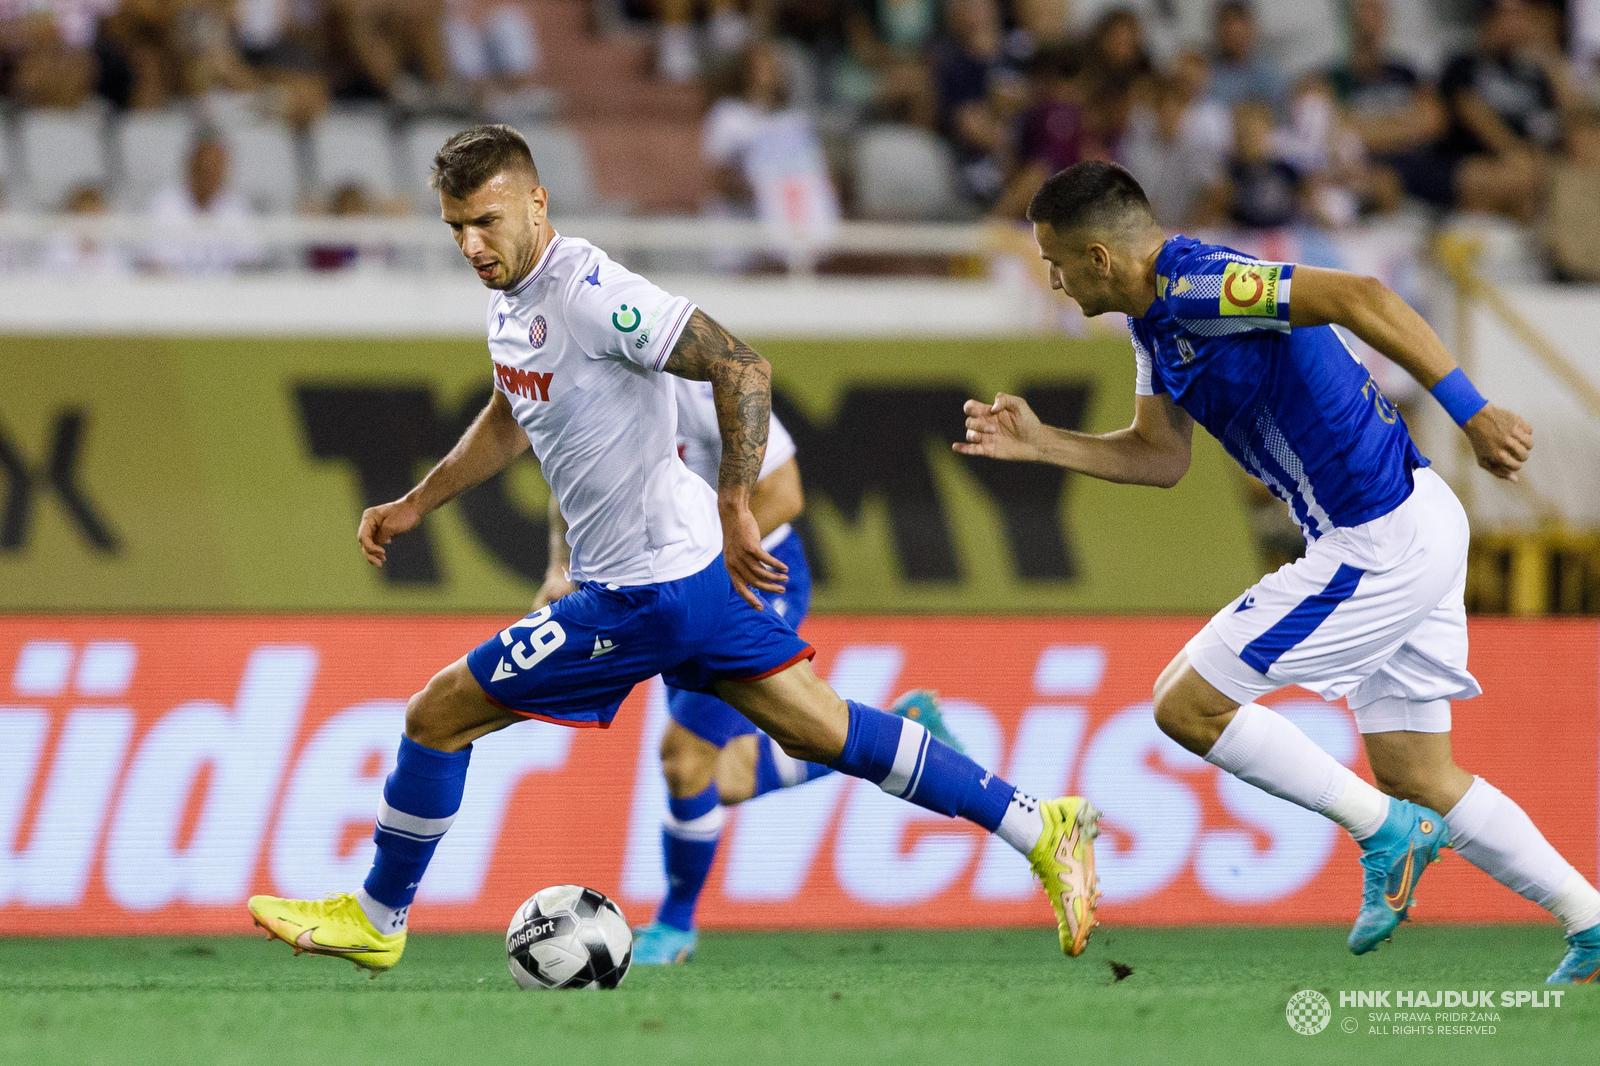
539,268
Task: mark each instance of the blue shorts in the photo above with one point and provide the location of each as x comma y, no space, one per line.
708,717
575,661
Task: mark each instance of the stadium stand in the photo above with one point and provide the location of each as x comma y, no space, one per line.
266,168
904,173
352,147
59,151
946,123
149,148
419,140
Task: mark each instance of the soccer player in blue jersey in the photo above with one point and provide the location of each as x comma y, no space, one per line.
1373,612
584,354
711,755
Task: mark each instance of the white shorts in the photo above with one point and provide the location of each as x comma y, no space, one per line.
1373,612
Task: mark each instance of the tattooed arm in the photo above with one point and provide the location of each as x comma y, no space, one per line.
741,386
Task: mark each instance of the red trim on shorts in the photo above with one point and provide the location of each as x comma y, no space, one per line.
809,653
546,718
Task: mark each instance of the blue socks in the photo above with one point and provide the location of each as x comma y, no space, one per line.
693,829
689,837
776,769
420,800
900,757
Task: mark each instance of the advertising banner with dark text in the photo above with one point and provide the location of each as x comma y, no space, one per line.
156,771
225,474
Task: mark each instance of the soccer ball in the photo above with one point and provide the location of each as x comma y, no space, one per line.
568,936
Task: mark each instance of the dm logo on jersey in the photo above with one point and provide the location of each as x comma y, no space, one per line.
536,332
1251,289
625,312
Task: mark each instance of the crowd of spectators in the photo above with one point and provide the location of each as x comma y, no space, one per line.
1217,129
282,62
419,55
1219,132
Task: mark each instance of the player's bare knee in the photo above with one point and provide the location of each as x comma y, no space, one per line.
1174,718
452,711
687,762
736,771
798,710
1401,783
1175,714
425,723
1434,787
684,773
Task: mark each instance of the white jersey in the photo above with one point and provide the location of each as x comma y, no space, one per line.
578,348
700,442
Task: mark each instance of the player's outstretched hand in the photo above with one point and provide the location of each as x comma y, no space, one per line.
556,585
1500,439
748,563
1005,429
383,523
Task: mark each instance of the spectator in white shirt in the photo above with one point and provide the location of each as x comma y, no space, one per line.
765,157
205,226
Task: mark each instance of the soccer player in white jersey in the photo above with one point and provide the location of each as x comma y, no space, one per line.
711,755
584,354
1373,612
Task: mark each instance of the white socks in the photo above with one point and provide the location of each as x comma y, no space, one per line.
1576,904
1494,834
385,919
1486,828
1267,750
1022,825
1360,808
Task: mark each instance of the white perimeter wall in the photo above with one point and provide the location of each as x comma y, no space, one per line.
390,305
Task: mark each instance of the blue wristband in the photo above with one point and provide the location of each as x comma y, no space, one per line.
1458,396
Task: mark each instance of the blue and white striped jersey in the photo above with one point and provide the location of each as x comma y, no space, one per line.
1295,407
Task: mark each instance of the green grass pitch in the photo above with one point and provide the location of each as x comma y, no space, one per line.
972,997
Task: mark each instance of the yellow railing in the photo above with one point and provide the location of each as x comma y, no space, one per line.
1550,567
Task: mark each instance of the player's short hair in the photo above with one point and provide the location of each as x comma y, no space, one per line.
476,154
1089,195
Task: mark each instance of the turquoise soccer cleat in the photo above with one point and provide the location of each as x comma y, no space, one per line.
1394,858
1582,964
921,705
662,945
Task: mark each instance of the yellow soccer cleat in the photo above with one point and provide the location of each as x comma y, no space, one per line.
334,925
1064,861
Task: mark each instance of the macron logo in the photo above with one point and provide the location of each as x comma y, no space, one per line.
529,383
602,647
